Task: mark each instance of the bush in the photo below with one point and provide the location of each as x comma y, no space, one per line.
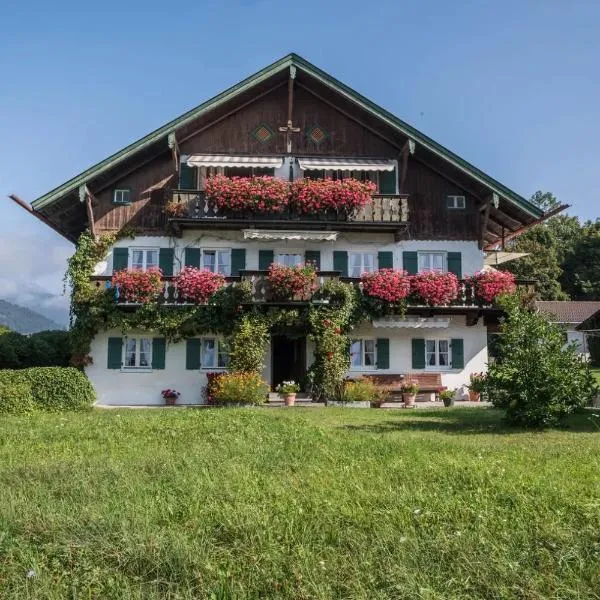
248,344
240,388
537,379
54,389
43,349
16,398
362,389
212,382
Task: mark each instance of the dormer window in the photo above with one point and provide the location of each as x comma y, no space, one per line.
456,202
122,196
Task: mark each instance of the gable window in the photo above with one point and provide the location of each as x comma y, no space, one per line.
291,259
362,354
433,262
217,261
143,259
122,196
455,202
215,353
437,354
359,263
138,353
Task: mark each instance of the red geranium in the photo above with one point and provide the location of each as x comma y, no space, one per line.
386,284
488,285
289,282
198,285
435,288
258,194
138,286
316,195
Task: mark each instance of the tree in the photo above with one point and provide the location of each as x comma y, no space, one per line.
581,269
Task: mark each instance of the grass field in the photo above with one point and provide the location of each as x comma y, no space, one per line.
301,503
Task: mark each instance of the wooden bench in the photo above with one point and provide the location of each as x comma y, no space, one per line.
430,384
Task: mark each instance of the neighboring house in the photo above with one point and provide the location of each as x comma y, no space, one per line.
570,315
432,210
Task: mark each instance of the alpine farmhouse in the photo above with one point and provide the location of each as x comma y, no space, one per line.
428,210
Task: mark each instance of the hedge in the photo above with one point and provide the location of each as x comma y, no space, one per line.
53,389
16,398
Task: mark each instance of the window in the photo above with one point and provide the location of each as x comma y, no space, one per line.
359,263
432,261
122,196
289,259
143,259
138,353
215,354
437,354
217,261
362,353
455,201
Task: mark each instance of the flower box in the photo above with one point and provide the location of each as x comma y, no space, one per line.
253,194
386,284
345,196
434,288
489,285
198,285
137,286
291,283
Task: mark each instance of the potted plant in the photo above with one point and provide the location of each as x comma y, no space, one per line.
476,386
447,397
170,396
288,389
409,393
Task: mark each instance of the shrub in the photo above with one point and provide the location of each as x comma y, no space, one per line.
198,285
248,343
477,382
434,288
257,194
211,386
16,398
138,286
362,389
54,389
489,285
312,196
537,379
239,387
386,284
291,282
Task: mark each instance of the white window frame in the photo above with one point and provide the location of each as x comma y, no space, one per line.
219,351
291,252
456,202
363,353
437,365
118,196
217,251
362,269
430,253
137,352
145,250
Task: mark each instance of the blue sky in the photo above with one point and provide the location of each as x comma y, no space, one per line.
513,87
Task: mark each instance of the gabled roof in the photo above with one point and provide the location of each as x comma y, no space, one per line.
570,311
277,67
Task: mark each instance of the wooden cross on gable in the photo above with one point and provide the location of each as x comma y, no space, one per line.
289,128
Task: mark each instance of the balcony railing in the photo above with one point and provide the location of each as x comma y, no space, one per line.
383,208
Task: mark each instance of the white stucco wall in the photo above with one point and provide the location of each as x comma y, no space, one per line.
577,337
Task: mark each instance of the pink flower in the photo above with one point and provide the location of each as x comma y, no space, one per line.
138,286
488,285
386,284
198,285
434,288
288,282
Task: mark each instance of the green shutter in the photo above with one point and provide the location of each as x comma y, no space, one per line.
418,353
458,353
385,260
383,353
410,262
238,261
165,261
192,257
340,262
192,354
159,349
455,263
387,182
265,259
120,259
188,179
313,256
115,353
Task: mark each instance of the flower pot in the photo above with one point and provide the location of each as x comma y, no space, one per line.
289,399
474,396
409,399
170,400
448,402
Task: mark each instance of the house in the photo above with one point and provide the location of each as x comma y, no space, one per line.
571,315
429,211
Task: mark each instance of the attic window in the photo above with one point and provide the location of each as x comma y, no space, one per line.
122,196
455,201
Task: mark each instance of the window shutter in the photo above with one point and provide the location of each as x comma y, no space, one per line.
340,262
418,353
192,257
385,260
410,262
265,259
165,261
159,349
387,182
115,353
458,353
120,259
313,256
238,261
192,354
383,353
455,263
188,178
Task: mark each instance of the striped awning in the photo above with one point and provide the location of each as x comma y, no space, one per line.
347,164
220,160
273,235
412,322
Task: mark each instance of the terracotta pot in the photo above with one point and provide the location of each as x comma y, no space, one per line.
409,399
170,400
290,399
474,396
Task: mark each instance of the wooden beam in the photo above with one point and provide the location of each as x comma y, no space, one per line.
172,142
408,148
86,196
483,222
40,216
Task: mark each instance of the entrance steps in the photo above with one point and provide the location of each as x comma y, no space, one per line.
301,400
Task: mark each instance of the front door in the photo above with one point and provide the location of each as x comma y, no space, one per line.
288,359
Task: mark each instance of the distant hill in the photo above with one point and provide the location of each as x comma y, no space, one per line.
23,320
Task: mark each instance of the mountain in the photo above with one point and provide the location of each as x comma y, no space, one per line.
23,320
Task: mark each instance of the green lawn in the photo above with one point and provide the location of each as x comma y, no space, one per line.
298,503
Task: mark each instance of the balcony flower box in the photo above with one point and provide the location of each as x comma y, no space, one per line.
291,283
248,194
434,288
198,285
137,286
310,196
489,285
387,285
